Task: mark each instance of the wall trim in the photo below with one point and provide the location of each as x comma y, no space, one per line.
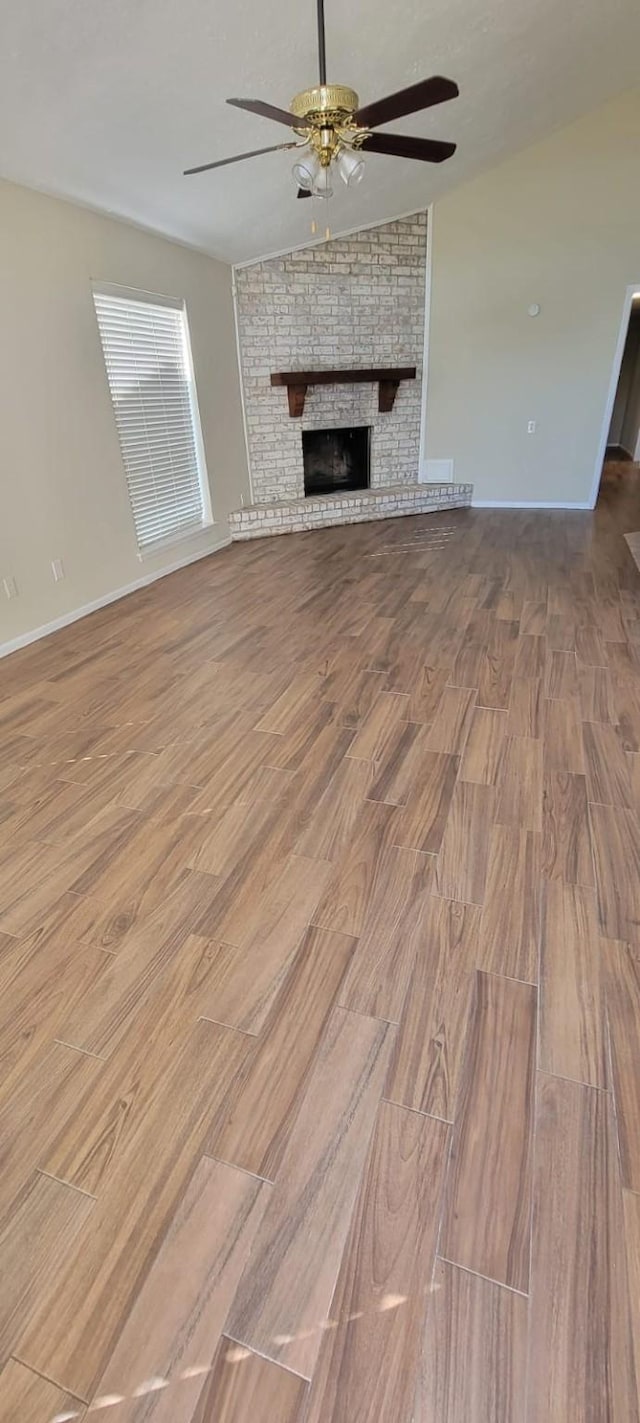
526,504
425,348
243,403
323,241
74,616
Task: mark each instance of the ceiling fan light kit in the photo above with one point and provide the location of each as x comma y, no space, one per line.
328,136
333,131
350,167
306,171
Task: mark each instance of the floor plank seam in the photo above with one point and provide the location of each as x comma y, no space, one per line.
232,1027
610,805
313,924
576,1081
70,1186
84,1050
76,1397
509,977
490,1281
221,1161
438,1235
616,1122
251,1349
433,1116
373,1017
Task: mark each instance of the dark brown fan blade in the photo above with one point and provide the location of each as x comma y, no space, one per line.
268,111
407,101
304,192
400,145
238,158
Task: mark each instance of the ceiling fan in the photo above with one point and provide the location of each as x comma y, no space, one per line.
333,131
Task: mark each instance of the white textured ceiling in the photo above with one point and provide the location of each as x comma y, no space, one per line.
106,101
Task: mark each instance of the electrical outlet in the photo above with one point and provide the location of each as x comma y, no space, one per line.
10,586
57,569
531,427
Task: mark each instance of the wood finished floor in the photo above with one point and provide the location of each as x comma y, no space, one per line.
320,984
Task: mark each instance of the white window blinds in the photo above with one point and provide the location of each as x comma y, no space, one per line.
148,360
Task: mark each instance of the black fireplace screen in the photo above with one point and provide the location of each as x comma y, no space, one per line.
336,460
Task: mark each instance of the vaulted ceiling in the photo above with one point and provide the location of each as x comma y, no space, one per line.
106,103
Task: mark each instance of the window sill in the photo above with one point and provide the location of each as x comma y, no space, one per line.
184,536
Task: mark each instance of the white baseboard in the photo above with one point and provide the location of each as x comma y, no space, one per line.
74,616
524,504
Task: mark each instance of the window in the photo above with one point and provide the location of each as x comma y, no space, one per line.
148,359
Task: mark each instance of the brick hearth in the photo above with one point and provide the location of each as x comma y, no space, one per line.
257,521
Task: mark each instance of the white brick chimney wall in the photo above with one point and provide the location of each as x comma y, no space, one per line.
354,301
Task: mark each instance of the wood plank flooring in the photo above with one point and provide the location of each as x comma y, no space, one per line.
320,984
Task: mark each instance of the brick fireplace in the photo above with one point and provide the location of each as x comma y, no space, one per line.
351,303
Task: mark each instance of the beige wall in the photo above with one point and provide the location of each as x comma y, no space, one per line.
559,225
62,486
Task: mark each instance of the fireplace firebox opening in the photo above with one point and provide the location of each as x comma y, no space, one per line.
336,460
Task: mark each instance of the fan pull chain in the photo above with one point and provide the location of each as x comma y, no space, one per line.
314,229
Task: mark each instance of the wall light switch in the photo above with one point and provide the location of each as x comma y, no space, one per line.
10,586
57,569
531,427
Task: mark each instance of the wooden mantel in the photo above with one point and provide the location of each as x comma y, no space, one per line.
387,377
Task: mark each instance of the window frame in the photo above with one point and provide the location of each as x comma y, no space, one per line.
179,304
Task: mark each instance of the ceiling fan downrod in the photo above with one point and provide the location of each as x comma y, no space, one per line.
322,54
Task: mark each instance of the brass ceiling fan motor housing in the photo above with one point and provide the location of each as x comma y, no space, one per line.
328,103
327,118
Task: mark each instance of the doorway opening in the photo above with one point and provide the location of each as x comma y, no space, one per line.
623,439
619,453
